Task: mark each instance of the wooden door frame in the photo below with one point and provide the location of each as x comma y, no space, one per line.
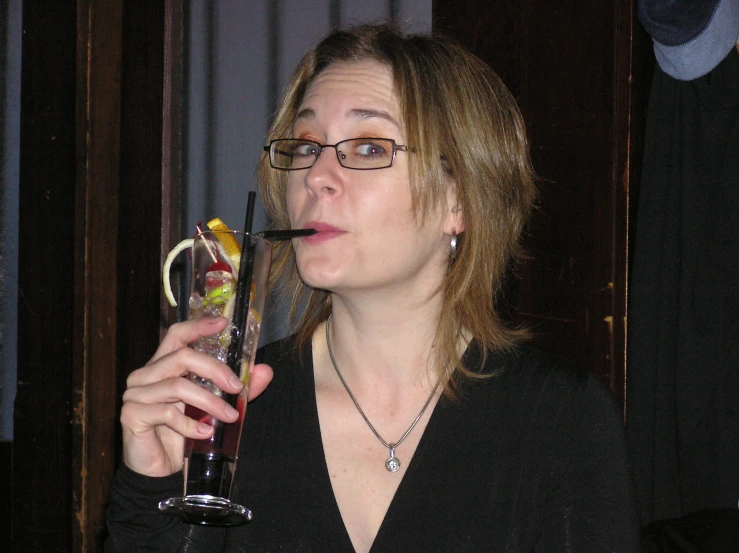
100,158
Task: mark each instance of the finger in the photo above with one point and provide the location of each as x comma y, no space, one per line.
261,376
181,334
178,391
181,362
139,421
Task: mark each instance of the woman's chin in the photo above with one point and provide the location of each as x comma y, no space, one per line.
318,279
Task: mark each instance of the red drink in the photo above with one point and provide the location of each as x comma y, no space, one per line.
210,463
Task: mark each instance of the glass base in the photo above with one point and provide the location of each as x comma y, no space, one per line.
206,510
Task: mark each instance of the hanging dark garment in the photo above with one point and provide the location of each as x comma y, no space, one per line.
683,374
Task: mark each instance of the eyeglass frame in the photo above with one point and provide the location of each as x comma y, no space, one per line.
396,147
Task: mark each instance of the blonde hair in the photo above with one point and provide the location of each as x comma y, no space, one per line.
461,122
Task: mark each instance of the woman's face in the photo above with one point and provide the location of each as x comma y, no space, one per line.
368,239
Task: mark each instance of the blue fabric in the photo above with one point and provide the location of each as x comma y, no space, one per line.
690,37
676,22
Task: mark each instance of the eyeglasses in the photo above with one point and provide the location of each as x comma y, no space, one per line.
362,154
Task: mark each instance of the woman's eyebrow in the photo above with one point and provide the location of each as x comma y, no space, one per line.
306,113
373,113
358,113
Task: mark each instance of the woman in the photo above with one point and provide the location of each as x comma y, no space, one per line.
403,415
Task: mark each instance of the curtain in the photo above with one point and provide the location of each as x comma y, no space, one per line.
683,373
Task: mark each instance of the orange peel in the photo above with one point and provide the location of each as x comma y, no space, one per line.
226,238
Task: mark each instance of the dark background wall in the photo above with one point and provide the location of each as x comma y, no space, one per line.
578,70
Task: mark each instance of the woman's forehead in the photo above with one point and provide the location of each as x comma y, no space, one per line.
355,89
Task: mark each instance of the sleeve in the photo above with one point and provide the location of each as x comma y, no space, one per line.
590,500
135,524
690,38
133,519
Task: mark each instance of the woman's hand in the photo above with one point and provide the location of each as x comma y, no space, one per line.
152,416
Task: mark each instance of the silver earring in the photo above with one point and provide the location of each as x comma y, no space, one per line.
453,244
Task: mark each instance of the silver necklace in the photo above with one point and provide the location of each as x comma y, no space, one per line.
392,463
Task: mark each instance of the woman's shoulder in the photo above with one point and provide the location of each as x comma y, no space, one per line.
535,396
527,372
524,361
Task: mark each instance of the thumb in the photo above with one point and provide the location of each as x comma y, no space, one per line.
261,376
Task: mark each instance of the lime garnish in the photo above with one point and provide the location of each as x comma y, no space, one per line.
184,245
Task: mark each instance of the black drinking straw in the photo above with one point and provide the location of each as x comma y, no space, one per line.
286,234
243,287
241,310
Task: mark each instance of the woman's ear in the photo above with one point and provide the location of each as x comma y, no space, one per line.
454,220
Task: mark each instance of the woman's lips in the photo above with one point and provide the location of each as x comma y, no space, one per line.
324,232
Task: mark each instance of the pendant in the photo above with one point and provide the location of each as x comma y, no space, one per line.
392,464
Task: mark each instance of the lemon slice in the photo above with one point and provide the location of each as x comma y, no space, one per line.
184,245
227,240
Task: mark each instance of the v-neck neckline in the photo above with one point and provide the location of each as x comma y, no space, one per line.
405,482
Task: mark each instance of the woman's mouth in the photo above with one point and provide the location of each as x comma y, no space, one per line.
324,232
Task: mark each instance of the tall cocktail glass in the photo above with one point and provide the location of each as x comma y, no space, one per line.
209,464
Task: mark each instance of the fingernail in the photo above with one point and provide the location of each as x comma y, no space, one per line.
231,412
203,428
214,320
234,382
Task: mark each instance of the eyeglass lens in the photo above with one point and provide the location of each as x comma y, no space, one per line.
355,153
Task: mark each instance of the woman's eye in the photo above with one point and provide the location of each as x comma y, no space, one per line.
305,149
369,149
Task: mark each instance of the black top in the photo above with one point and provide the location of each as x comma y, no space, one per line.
531,460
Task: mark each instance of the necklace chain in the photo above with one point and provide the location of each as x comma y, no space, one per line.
392,464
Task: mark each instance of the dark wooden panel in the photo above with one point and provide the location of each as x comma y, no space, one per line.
569,66
635,62
92,214
642,63
40,510
141,184
98,145
567,294
172,110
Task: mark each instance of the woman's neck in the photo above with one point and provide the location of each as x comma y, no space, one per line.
390,343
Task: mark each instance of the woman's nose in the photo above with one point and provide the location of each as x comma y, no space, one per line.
326,174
